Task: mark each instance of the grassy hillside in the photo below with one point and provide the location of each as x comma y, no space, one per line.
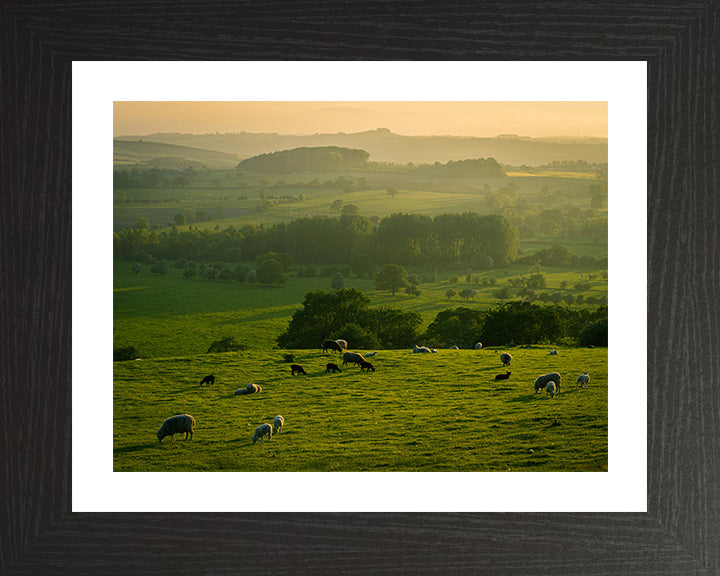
172,316
416,412
230,197
164,155
385,146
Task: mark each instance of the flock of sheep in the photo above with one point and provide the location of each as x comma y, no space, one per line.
185,423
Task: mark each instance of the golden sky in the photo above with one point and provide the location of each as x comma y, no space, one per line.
484,119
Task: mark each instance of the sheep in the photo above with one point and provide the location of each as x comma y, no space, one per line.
330,367
278,424
550,389
553,352
506,358
421,349
262,431
208,380
365,365
367,354
331,345
542,381
582,381
505,376
176,425
352,358
249,389
454,348
342,343
297,369
478,346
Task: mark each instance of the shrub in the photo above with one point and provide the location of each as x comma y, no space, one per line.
123,354
226,344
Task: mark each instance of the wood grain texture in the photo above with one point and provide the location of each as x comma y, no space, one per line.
680,535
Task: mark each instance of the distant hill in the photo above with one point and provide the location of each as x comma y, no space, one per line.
152,154
385,146
317,159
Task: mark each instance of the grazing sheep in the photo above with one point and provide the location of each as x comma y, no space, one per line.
478,346
421,349
542,381
365,365
278,424
454,348
550,389
370,354
352,358
297,369
331,345
505,358
262,431
582,381
208,380
342,343
505,376
330,367
176,425
553,352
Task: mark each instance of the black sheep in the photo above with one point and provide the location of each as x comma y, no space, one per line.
208,380
331,345
330,367
365,365
297,369
503,376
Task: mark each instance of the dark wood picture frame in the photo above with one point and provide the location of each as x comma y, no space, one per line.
680,533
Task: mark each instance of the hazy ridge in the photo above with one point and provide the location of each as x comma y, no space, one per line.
385,146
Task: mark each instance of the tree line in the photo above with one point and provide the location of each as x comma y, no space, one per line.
480,241
346,314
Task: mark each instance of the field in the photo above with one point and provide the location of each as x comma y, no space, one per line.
416,412
232,198
172,316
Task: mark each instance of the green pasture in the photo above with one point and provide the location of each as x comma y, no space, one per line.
415,412
232,198
170,315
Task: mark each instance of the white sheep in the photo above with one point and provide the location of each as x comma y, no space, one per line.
342,343
421,349
582,381
370,354
543,380
262,431
278,424
553,352
454,348
176,425
506,358
550,389
478,346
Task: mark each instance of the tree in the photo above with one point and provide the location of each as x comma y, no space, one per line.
362,264
137,268
160,267
350,210
142,223
270,272
336,205
455,326
450,293
413,290
180,219
466,293
392,192
391,277
189,272
338,281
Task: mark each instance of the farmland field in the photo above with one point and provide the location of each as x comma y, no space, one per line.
426,412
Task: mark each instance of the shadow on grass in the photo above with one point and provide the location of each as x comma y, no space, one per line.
135,448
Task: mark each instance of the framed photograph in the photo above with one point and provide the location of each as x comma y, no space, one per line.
78,501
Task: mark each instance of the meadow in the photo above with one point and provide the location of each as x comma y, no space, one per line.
415,412
233,198
169,315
